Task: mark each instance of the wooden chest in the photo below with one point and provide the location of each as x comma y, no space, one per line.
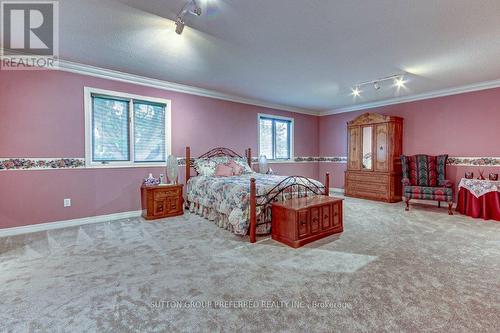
297,222
161,201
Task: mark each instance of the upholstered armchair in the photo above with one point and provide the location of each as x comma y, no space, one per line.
424,177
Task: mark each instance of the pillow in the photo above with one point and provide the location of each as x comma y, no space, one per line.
237,168
243,162
205,167
223,170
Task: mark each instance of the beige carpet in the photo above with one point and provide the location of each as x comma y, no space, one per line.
393,271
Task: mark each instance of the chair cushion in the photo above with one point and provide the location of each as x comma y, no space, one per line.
429,193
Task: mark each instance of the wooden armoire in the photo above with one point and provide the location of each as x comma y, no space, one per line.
375,144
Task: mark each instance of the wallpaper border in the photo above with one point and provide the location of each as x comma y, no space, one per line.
25,163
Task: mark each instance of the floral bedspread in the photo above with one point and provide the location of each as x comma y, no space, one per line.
230,197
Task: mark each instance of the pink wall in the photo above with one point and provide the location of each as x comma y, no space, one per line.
42,116
466,125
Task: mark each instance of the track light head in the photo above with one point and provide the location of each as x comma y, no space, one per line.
356,92
196,10
376,85
399,82
179,25
191,7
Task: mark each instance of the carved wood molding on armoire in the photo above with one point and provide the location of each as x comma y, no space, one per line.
375,144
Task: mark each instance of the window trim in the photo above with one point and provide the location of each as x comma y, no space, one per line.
90,163
291,134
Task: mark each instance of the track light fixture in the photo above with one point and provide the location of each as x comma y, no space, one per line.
191,7
398,79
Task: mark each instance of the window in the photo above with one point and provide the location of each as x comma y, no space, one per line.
126,130
275,137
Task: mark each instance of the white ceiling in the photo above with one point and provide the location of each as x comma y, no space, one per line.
298,53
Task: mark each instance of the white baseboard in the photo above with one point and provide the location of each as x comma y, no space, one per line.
337,190
66,224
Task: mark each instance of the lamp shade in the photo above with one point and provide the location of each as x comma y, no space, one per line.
172,169
263,165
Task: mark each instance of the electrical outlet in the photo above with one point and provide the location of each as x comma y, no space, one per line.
67,203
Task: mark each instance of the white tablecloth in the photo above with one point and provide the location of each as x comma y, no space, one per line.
479,187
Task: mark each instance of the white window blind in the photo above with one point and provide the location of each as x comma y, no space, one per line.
110,121
149,132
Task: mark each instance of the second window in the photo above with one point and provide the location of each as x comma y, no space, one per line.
275,137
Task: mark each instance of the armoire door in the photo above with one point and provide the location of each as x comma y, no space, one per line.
354,136
382,148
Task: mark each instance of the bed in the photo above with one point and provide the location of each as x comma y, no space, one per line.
241,204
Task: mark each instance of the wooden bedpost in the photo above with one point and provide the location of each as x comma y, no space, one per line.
327,184
253,211
188,164
249,157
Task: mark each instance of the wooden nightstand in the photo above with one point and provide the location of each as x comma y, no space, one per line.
161,201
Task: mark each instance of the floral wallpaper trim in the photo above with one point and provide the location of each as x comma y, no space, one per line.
454,161
474,161
76,163
40,164
298,159
333,159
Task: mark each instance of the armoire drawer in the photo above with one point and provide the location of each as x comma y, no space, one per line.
369,187
368,178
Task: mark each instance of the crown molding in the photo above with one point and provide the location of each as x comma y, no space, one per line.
418,97
77,68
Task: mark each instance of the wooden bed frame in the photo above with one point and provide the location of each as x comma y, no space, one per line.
297,186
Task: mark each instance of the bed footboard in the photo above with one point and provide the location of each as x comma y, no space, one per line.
288,188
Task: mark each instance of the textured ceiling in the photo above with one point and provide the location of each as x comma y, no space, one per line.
304,54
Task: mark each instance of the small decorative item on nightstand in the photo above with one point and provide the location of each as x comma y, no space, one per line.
161,201
494,177
469,175
172,169
151,181
263,165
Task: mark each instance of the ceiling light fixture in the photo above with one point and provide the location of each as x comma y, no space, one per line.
356,92
377,83
399,81
191,7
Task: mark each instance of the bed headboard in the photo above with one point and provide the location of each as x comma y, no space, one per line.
216,152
